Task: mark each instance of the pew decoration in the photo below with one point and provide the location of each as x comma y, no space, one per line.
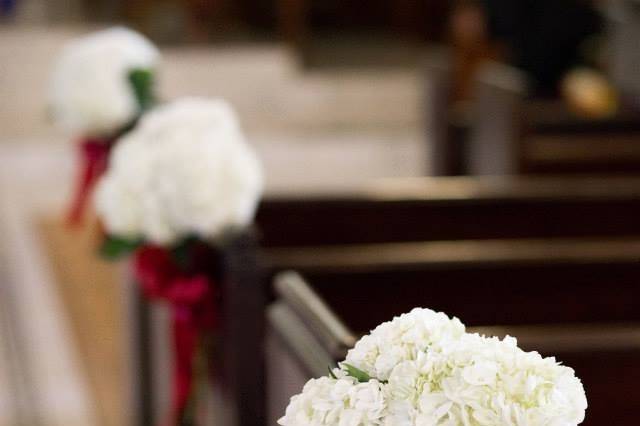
422,368
101,84
178,188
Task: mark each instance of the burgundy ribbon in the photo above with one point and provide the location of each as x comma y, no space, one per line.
94,155
191,297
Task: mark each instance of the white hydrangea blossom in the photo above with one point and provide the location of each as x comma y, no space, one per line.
431,373
336,402
402,339
184,170
90,92
479,381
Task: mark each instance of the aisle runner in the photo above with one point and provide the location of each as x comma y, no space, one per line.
90,291
47,387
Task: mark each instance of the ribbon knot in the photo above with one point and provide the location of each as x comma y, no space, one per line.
191,297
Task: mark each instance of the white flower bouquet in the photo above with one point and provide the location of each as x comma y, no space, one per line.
422,369
177,188
184,171
100,86
101,82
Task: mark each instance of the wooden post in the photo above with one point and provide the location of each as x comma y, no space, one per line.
441,146
237,397
624,35
138,341
242,335
494,143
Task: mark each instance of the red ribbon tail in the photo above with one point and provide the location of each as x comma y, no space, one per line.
93,162
185,338
193,311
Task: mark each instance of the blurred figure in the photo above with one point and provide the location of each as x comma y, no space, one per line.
533,35
471,45
544,38
557,43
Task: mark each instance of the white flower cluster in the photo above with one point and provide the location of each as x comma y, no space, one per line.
184,170
402,339
429,372
90,92
337,401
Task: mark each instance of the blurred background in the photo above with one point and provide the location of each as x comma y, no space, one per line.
333,95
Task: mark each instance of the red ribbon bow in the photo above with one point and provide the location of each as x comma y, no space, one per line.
94,156
193,309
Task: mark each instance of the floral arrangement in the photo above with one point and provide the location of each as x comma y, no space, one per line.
423,369
93,86
178,187
100,85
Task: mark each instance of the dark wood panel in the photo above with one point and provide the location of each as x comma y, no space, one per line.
455,208
241,338
549,286
516,295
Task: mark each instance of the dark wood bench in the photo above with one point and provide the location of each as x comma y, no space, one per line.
306,24
424,209
510,134
357,244
586,314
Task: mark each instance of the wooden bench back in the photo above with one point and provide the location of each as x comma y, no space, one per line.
506,282
428,209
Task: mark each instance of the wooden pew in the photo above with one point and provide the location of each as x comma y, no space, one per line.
502,130
301,23
459,231
454,208
586,314
510,134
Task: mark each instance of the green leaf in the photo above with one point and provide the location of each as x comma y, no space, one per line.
115,247
142,82
333,376
356,373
